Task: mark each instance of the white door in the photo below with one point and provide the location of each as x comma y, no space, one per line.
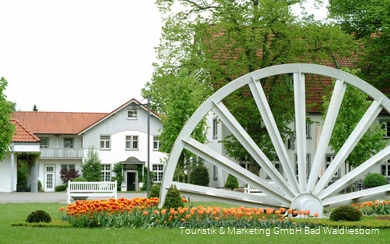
49,177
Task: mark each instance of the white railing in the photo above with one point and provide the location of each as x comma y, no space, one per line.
90,189
62,152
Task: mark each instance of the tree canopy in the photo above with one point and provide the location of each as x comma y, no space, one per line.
218,41
6,127
369,22
371,143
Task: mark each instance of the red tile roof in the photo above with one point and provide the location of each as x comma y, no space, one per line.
22,134
57,122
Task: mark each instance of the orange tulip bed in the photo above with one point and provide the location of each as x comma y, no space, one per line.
374,207
144,213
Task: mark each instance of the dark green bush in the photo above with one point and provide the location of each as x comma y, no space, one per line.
60,188
200,176
38,216
347,213
231,182
79,179
40,189
374,180
155,191
173,198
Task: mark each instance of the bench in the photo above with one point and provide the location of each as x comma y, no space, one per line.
91,189
252,189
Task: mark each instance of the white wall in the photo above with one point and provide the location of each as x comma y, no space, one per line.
5,176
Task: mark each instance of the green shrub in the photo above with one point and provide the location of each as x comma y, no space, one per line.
118,168
347,213
173,198
79,179
374,180
22,175
200,176
60,188
92,166
38,216
231,182
40,189
155,191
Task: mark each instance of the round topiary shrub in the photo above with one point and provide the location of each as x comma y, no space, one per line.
347,213
173,198
155,191
38,216
79,179
200,176
374,180
60,188
231,182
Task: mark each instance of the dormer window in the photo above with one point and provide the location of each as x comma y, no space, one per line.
132,113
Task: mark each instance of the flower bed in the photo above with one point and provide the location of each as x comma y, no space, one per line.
380,207
143,213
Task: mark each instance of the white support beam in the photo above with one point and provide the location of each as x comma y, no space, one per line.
355,173
247,142
330,120
349,145
355,195
234,169
300,126
273,131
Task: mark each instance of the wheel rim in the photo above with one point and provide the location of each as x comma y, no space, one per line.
305,191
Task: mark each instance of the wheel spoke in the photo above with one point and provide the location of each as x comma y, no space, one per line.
352,176
273,131
247,142
330,120
234,169
349,145
300,126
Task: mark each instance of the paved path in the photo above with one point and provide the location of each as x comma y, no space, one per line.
60,197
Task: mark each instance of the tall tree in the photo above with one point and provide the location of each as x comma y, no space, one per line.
368,21
178,97
371,143
7,129
218,41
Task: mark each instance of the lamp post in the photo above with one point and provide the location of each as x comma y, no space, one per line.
148,148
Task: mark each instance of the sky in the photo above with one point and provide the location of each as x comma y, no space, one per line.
77,55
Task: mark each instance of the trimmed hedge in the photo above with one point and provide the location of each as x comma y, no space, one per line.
374,180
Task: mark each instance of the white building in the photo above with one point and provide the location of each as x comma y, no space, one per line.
64,138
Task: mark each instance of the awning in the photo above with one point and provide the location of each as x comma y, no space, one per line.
132,160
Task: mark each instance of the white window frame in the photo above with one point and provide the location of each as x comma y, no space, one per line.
71,140
328,160
105,142
308,130
105,173
132,113
132,142
386,125
308,164
156,143
68,166
42,144
215,172
215,128
158,170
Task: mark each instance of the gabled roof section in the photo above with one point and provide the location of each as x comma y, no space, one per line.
64,123
22,134
134,101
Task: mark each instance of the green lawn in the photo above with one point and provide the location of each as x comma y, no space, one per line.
16,213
